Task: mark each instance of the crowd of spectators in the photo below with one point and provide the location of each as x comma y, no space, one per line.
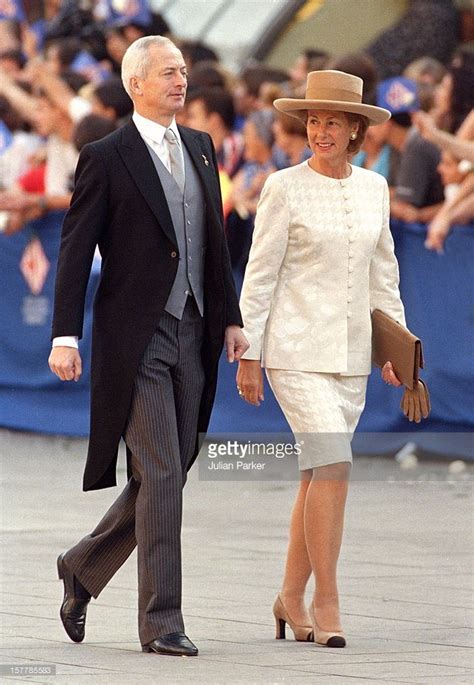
60,88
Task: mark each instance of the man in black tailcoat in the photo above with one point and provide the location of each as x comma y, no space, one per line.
148,195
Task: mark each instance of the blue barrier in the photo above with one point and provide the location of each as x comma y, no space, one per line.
436,290
31,397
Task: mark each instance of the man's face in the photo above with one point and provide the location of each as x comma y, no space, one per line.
161,94
196,116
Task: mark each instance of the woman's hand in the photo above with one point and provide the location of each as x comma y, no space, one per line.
250,381
388,375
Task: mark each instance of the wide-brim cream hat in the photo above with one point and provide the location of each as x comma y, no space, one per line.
334,91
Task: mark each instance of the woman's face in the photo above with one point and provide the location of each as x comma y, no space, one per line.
328,134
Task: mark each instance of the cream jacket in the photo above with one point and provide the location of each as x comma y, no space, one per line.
322,259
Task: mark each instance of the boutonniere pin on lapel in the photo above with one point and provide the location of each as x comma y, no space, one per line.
206,161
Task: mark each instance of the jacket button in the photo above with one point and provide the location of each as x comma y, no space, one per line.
174,254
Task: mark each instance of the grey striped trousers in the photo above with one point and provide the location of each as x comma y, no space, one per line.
160,437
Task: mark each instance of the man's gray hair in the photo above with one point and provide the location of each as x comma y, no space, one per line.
136,60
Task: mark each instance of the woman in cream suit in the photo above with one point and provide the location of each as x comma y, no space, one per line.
322,259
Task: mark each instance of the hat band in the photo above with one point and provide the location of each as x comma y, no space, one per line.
336,94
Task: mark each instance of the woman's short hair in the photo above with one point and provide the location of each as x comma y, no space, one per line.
355,145
136,60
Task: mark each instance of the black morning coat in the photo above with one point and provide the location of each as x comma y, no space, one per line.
119,204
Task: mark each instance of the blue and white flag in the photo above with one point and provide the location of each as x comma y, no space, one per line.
132,11
6,137
12,10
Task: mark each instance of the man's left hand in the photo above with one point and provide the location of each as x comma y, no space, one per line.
235,343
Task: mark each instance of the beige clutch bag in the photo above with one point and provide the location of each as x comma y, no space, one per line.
393,342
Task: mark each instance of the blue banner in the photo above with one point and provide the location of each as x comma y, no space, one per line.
31,397
438,303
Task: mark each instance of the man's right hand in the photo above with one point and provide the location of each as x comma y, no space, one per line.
66,363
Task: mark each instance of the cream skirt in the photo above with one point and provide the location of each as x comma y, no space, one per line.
322,409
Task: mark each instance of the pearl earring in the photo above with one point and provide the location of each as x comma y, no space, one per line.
353,135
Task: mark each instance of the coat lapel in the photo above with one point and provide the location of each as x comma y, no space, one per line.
137,159
202,163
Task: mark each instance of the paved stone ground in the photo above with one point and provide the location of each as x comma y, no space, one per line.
405,578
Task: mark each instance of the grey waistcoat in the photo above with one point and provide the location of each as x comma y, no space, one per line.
188,215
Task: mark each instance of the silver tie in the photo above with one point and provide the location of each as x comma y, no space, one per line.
176,158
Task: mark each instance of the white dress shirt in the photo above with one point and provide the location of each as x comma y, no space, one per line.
154,135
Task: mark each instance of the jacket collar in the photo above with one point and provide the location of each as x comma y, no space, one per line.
137,159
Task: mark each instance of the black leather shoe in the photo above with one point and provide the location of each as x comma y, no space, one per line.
174,644
76,599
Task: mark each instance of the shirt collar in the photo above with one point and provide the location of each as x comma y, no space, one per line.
152,130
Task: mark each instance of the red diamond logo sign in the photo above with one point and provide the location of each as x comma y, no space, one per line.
34,266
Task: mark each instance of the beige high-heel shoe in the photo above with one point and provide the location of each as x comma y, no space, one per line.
333,638
301,633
